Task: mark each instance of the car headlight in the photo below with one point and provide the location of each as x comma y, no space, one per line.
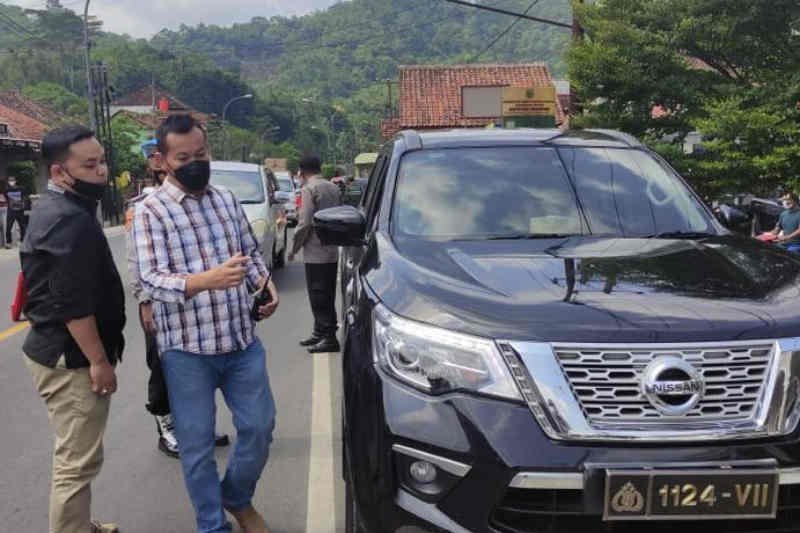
436,361
259,228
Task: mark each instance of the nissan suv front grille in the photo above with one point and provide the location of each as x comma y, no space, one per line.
609,383
650,392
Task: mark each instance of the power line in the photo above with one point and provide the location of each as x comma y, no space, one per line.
511,13
505,31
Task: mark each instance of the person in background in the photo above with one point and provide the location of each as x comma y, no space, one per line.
76,308
157,396
200,263
321,262
788,228
15,211
3,215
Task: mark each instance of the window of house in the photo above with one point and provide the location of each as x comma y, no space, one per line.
4,130
482,102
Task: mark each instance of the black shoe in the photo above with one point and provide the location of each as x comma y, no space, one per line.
221,440
325,346
311,341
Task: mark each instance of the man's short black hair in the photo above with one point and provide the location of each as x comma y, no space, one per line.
56,144
793,196
311,164
179,124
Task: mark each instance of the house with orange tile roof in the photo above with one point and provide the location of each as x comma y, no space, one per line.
462,96
21,138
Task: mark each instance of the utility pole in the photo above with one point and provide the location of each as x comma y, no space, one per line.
89,84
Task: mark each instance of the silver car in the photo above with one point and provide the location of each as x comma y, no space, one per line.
256,191
287,194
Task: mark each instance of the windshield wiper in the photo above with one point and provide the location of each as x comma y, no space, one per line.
525,236
680,235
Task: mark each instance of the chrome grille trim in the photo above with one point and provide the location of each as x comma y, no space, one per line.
773,410
607,381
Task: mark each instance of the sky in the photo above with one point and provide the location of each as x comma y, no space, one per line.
143,18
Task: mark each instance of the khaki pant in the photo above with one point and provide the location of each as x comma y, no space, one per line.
78,417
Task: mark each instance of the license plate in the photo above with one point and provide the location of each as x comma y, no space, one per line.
690,494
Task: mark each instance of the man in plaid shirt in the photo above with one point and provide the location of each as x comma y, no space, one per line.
198,258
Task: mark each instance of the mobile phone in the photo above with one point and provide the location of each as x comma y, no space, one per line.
261,298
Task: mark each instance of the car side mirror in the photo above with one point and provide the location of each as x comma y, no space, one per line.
730,216
340,226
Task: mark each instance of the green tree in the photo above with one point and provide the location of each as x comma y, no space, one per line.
58,98
726,68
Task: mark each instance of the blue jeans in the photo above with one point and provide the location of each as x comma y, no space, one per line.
191,383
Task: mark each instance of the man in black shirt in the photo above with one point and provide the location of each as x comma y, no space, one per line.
76,308
16,210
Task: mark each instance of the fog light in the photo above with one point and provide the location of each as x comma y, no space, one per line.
422,472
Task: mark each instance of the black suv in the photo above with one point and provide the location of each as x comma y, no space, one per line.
549,332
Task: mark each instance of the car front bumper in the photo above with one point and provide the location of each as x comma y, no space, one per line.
498,472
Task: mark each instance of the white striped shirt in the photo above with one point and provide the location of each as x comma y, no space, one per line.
176,235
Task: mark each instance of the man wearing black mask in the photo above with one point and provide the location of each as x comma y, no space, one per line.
76,309
200,263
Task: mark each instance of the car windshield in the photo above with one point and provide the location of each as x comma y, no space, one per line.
285,185
246,185
530,192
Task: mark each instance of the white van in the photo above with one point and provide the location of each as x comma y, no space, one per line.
252,187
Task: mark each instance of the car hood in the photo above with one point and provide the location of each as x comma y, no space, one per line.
593,289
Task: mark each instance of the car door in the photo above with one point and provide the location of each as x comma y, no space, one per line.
353,255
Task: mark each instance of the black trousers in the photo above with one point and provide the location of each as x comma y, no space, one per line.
18,217
321,283
157,399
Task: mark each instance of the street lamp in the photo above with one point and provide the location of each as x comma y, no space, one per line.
224,113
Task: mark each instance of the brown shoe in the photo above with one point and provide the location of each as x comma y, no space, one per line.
95,526
249,520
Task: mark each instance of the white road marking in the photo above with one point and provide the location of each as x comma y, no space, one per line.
321,511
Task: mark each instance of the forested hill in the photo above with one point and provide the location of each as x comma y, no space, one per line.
355,43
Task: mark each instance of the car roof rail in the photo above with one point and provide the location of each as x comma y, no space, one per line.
620,136
412,139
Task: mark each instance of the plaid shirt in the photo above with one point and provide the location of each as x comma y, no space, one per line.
176,235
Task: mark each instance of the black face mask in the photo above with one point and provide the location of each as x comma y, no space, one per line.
92,191
194,176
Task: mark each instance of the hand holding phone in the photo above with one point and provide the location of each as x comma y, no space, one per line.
261,298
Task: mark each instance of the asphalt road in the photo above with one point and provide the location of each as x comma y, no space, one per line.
141,489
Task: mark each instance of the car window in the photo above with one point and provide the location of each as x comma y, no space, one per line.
366,198
374,201
484,193
285,185
631,193
246,185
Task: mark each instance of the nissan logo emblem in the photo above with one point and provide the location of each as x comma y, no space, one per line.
673,386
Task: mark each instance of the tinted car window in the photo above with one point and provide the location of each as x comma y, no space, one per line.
484,192
248,187
630,193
